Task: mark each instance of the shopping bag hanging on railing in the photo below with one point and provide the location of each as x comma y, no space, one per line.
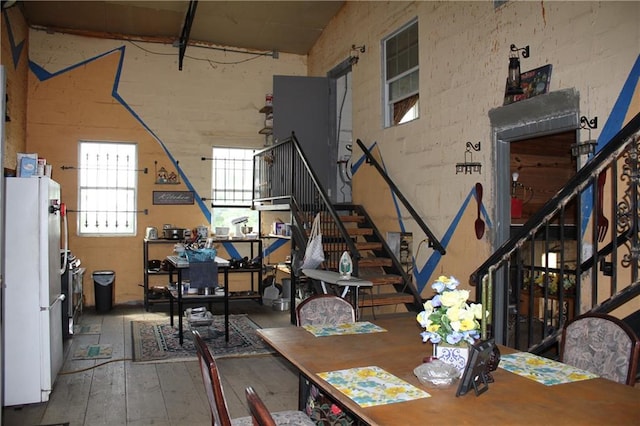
314,254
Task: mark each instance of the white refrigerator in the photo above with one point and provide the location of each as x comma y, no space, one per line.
33,351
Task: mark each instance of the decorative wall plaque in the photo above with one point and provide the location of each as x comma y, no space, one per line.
172,197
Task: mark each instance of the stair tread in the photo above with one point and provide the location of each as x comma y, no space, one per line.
381,279
369,245
345,218
382,299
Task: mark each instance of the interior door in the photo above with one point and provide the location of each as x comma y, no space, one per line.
301,105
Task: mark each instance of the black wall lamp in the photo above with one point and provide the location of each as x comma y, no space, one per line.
469,166
513,79
589,146
354,57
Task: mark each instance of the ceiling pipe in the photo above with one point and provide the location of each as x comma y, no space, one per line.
186,30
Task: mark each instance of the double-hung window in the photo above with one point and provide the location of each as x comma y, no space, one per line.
232,187
401,75
107,188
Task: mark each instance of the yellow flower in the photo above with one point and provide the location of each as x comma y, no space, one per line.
453,313
467,324
366,372
394,391
428,306
433,327
423,319
476,309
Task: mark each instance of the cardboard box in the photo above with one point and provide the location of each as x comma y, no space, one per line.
28,167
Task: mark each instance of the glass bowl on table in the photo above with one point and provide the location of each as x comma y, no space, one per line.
436,373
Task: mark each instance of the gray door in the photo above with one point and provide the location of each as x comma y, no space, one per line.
301,105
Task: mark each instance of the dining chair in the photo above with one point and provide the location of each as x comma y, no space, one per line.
324,309
218,404
603,345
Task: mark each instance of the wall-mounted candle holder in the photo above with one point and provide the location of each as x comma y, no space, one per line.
469,166
589,146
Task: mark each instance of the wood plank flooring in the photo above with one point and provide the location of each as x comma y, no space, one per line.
121,392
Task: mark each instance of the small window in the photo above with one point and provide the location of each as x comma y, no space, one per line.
232,187
107,188
401,74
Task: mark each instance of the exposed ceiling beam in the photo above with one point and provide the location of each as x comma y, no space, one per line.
186,30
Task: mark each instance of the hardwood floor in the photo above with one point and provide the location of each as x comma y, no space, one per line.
125,393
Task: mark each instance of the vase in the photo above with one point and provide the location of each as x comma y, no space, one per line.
454,355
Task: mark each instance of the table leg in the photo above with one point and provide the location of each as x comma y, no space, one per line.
356,308
171,309
226,304
179,286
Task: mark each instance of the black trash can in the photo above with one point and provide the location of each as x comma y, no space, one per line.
103,290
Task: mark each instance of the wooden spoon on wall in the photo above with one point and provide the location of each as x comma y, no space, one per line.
479,223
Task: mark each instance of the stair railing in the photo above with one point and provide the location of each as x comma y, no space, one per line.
433,242
529,300
282,175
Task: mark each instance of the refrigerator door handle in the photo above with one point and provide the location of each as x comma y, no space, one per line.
60,298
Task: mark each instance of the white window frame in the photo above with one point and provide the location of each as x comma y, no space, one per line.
388,103
107,189
227,185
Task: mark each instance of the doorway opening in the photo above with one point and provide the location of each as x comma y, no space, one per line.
555,113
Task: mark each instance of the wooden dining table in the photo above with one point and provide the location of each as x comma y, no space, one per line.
510,399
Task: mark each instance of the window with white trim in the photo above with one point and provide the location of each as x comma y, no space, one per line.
401,75
107,188
232,187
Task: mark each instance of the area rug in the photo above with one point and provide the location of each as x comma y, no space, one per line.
155,341
87,329
93,351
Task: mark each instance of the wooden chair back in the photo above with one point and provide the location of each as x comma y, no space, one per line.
603,345
259,412
212,383
324,309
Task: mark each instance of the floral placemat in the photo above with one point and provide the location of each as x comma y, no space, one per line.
340,329
369,386
542,370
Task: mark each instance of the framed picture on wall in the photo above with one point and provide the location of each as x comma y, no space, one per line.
533,83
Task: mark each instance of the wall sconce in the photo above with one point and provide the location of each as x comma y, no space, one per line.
589,146
468,167
354,57
513,79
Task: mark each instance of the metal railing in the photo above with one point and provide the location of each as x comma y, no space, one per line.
283,176
597,265
433,242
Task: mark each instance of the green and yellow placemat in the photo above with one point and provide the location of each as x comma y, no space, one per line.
341,329
542,370
369,386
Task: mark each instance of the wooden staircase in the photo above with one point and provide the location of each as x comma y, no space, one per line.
374,260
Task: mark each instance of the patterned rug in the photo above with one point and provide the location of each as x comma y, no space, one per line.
87,329
93,351
157,341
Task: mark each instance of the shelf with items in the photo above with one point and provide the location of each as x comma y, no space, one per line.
152,296
284,237
253,269
267,130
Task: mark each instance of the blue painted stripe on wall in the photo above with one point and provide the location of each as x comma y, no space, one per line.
16,49
421,276
613,125
44,75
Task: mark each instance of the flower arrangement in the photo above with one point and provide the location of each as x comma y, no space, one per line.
448,317
568,282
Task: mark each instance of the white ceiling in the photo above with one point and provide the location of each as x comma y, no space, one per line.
283,26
